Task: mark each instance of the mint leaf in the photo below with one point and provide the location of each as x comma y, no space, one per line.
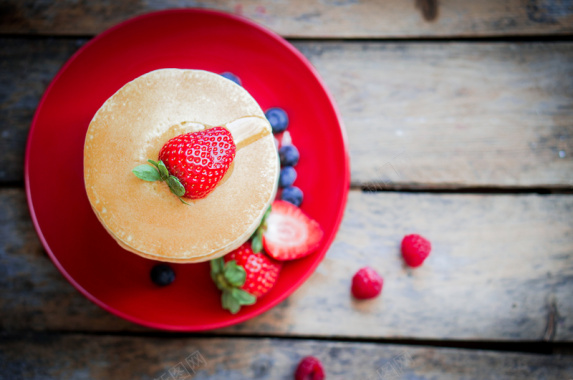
235,274
146,173
229,302
242,297
175,186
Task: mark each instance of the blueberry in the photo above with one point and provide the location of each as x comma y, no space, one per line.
289,155
287,177
232,77
278,119
162,275
292,194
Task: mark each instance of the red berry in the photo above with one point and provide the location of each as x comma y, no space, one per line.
262,271
199,159
366,283
309,368
415,249
290,233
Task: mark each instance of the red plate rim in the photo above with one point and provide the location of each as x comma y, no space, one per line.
345,178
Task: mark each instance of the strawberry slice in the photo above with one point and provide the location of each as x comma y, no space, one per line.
290,233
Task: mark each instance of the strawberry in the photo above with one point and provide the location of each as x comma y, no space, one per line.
199,160
243,276
192,164
262,271
290,233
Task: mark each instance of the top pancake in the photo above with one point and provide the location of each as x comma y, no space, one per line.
145,217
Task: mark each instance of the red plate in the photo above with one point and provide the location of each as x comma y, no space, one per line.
275,74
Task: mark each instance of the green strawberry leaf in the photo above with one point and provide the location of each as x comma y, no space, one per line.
217,265
260,231
160,173
182,201
216,279
163,170
154,163
257,242
267,213
243,297
175,186
235,274
229,302
146,173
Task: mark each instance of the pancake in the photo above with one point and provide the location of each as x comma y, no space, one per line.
145,217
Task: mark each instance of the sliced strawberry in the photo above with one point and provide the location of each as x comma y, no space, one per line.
290,233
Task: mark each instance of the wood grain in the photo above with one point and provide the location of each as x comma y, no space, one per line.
315,18
501,269
418,115
26,68
34,294
107,357
451,115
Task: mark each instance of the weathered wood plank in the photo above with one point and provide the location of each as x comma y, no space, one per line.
450,115
428,115
107,357
501,269
26,69
301,18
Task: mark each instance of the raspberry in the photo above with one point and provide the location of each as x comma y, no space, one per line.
309,368
366,283
415,249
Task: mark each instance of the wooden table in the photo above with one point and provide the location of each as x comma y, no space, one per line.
460,125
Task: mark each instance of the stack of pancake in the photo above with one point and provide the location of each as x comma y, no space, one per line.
145,217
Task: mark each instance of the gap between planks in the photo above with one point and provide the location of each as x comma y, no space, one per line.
549,38
457,189
533,347
404,188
